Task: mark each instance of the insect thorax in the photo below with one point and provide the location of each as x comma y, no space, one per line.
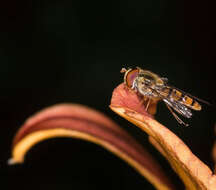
146,85
144,82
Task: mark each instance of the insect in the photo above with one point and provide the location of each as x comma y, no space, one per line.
152,86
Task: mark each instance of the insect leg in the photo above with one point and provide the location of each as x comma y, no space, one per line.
176,117
147,105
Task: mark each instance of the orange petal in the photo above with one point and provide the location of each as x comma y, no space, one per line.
76,121
194,173
214,152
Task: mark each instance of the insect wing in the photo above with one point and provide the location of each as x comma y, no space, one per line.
178,107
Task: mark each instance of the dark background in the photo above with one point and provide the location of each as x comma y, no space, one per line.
72,51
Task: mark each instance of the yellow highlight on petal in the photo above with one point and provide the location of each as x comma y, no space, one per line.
21,148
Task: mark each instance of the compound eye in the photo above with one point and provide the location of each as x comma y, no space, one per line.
130,77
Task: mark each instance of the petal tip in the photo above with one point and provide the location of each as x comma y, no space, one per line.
11,161
129,99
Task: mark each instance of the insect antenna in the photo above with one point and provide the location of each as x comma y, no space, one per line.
123,70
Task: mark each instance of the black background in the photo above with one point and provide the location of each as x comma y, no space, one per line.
72,51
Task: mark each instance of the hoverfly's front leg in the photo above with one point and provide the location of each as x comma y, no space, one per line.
143,102
147,105
176,117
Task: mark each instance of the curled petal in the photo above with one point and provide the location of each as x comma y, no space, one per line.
76,121
214,151
193,172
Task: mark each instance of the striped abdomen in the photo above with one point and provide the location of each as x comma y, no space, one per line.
182,98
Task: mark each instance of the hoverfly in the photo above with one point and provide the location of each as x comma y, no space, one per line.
152,86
